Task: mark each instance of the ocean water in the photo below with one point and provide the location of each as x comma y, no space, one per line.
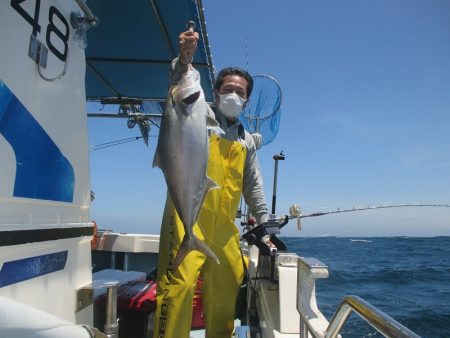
408,278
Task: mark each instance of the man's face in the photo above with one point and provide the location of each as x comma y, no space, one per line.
234,83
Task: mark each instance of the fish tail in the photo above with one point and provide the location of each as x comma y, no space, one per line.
183,250
189,244
202,247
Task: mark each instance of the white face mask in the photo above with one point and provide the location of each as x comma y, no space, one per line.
231,104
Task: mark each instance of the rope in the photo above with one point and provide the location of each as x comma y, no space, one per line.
143,123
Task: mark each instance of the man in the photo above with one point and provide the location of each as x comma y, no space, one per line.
233,165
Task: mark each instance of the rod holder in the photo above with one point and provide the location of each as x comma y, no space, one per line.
276,157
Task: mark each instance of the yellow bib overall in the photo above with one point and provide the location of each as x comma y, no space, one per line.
216,227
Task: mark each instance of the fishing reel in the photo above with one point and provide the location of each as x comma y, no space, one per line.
264,235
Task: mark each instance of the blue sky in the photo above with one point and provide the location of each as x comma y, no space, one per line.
365,116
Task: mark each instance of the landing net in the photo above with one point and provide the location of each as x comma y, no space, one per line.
263,111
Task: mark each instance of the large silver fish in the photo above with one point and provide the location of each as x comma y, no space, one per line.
182,155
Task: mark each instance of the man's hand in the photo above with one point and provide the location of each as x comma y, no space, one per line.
188,45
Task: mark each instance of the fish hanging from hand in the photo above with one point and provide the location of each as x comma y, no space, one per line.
182,155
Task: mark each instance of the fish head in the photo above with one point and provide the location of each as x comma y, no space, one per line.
187,91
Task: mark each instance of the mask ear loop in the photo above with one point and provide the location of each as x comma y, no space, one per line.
245,103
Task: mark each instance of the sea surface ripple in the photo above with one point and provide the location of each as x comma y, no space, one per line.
408,278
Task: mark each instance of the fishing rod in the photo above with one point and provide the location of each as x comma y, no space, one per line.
124,115
272,227
295,212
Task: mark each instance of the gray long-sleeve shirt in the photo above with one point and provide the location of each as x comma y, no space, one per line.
252,188
252,185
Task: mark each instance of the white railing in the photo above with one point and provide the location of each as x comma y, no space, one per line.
313,323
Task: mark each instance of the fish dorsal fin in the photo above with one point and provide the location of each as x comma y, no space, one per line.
210,184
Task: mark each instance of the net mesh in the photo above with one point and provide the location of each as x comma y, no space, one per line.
263,111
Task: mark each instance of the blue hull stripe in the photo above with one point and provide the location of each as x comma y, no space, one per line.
13,272
42,171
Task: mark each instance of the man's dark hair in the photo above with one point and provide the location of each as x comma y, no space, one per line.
234,71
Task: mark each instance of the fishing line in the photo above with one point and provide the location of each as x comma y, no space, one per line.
115,143
246,51
426,216
98,106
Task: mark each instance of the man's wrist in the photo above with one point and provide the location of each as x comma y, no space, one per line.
181,61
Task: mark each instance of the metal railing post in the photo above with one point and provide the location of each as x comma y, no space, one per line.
112,323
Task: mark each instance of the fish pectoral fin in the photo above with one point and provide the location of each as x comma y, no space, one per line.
210,184
216,130
213,125
189,244
211,121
